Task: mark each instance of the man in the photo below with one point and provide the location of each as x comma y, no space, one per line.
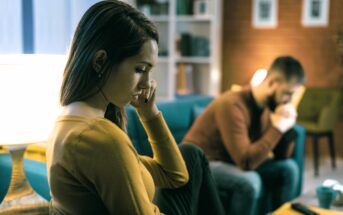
248,137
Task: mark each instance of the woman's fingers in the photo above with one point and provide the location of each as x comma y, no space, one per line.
150,93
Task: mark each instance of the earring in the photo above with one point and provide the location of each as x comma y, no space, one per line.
99,71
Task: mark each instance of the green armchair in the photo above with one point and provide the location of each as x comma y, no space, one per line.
319,112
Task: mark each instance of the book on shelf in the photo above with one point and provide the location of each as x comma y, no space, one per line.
185,79
194,45
156,8
186,44
200,46
193,7
184,7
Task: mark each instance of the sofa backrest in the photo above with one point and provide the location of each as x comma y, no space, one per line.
179,115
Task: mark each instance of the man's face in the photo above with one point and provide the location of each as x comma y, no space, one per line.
283,92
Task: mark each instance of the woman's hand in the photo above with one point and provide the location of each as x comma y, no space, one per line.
146,102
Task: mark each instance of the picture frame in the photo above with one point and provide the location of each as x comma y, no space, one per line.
315,13
265,13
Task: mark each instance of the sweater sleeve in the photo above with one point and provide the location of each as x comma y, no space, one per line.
167,167
112,165
233,128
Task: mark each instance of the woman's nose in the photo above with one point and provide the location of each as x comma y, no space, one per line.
145,81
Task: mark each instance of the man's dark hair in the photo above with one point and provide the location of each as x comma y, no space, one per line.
289,67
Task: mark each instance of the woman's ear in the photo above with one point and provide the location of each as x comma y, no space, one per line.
99,60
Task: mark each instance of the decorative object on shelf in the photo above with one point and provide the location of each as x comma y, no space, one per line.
200,46
187,38
194,45
181,79
153,7
201,7
315,13
264,13
185,79
160,7
146,9
184,7
186,44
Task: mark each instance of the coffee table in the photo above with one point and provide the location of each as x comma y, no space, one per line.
310,199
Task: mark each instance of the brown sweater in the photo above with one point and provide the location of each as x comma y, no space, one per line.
234,129
93,167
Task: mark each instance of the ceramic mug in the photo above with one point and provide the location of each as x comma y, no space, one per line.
326,196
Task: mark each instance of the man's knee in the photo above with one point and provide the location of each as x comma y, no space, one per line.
247,184
251,185
290,169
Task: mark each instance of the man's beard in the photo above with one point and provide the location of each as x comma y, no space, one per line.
271,103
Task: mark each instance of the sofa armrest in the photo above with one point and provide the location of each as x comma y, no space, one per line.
298,153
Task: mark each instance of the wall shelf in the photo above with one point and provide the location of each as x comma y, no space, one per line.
204,37
193,18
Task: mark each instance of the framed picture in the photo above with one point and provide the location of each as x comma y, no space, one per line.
264,13
315,12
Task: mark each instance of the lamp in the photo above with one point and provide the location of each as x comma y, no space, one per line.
29,86
258,77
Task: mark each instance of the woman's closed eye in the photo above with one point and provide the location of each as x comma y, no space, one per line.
139,70
143,69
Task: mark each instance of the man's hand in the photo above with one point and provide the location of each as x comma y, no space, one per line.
286,110
284,117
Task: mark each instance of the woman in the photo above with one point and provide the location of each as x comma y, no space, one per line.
93,167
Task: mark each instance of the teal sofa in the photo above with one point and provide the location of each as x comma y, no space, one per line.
179,115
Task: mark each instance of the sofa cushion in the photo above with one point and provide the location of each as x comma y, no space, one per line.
197,110
178,115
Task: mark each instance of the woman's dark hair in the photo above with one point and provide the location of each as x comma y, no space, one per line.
115,27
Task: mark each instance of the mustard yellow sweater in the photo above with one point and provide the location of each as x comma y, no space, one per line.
93,167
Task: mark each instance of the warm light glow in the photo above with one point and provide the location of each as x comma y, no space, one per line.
258,77
214,85
29,91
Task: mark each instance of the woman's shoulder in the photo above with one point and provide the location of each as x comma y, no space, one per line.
92,143
95,133
103,131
